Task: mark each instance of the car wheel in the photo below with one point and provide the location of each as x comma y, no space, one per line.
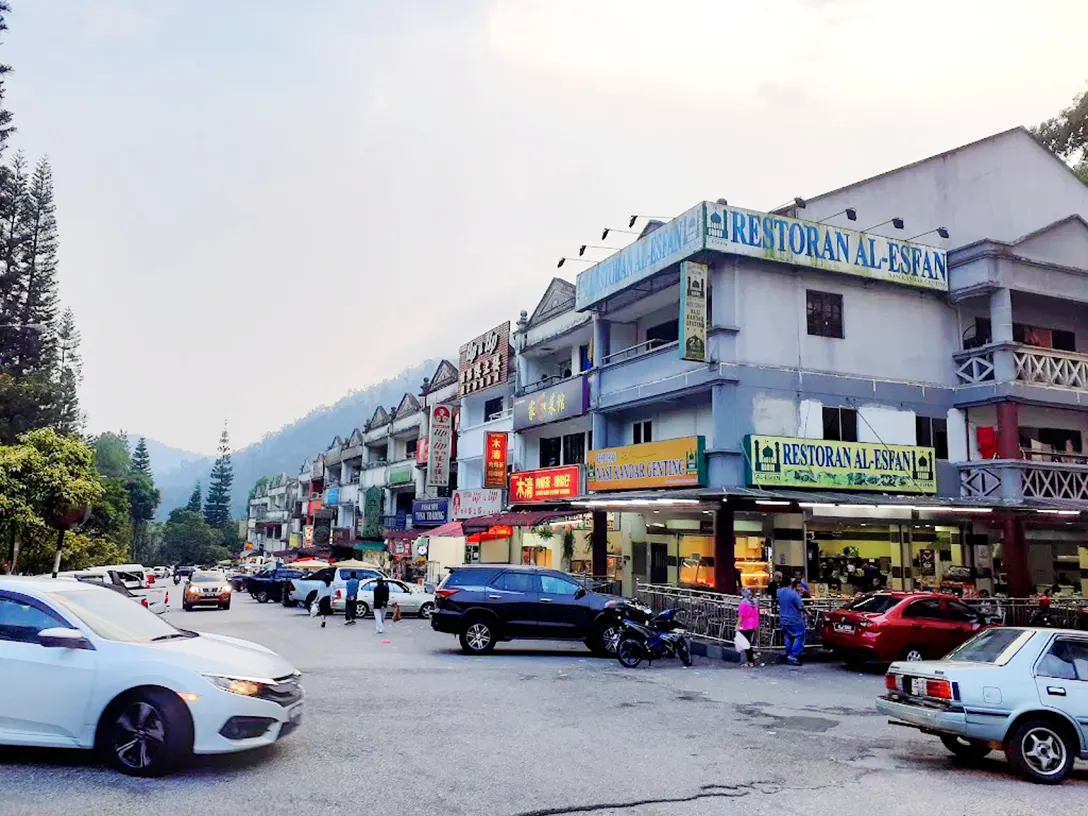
187,608
478,637
262,596
362,609
967,749
913,653
149,733
629,653
1042,751
605,638
225,606
426,610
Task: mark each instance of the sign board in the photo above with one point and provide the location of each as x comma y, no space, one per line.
564,400
372,513
693,282
440,444
668,244
775,461
485,361
422,449
495,463
475,503
401,476
308,535
823,246
927,562
332,496
546,485
430,512
669,463
293,540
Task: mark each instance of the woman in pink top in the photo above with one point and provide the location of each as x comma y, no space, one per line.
748,623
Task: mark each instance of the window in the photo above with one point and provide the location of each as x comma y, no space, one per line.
841,424
585,359
932,433
961,613
574,449
475,578
551,449
554,585
930,608
643,432
1066,660
874,604
663,333
492,408
21,621
410,448
516,582
114,617
824,314
989,646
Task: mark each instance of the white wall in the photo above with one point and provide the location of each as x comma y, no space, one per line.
671,423
889,426
777,416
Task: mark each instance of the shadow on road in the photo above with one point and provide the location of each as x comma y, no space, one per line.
12,757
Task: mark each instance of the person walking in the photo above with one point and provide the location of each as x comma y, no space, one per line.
791,617
748,624
322,604
351,592
381,601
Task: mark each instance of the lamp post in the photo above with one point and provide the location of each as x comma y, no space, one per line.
65,520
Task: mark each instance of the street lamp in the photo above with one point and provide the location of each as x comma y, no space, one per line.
896,222
941,231
565,259
604,233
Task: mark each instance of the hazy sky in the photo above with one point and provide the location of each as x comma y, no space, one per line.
265,204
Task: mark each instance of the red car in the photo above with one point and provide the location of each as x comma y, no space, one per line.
886,626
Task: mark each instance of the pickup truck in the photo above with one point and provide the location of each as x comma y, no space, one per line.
303,590
155,598
269,585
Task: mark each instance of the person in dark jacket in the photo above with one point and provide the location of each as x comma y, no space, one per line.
381,601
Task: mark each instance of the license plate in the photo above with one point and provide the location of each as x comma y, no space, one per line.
295,717
917,686
844,627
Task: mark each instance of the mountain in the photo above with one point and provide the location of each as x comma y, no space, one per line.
286,449
165,459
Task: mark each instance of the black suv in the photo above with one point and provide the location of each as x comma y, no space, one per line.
486,604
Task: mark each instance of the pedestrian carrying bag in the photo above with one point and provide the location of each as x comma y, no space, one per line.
741,642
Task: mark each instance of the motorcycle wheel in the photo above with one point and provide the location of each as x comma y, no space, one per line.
629,653
683,652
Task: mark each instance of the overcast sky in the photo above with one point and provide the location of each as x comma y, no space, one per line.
266,204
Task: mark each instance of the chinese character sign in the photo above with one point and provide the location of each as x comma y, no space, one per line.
549,484
495,463
439,446
485,361
564,400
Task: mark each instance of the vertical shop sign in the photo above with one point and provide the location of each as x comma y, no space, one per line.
495,463
372,513
693,282
439,446
308,535
927,562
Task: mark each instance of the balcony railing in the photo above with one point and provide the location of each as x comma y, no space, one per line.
975,366
1016,478
637,350
1033,365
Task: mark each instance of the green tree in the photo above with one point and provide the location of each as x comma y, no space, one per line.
6,128
36,344
144,498
1066,135
111,454
141,459
194,499
217,502
13,195
188,539
68,417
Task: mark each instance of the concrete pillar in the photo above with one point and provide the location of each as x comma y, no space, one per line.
1014,557
600,430
602,336
599,542
1001,332
1008,430
725,558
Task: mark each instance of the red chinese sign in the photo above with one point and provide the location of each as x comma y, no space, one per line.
495,462
550,484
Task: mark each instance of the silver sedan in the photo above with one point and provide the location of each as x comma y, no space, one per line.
412,600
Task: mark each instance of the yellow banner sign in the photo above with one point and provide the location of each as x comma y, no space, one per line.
669,463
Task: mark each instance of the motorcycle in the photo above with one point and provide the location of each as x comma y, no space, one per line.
616,611
662,637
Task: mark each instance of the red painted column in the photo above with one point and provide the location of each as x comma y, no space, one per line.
599,541
1014,557
1008,431
725,553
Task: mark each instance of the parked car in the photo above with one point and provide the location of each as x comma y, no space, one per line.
485,604
1019,690
304,589
160,573
411,601
155,598
269,585
206,589
886,626
87,668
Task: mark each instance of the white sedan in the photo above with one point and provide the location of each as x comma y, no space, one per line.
84,667
412,600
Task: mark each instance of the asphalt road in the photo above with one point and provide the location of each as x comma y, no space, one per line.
404,724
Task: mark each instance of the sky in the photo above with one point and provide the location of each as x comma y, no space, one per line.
264,205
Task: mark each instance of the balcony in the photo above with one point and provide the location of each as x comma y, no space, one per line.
349,494
1031,366
1012,479
644,373
471,440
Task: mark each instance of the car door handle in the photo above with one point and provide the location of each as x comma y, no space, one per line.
495,597
545,600
1056,691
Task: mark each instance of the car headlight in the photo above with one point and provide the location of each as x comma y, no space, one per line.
224,590
236,685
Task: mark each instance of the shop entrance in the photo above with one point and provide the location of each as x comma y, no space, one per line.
659,563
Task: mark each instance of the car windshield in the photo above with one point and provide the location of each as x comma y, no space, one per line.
115,617
991,646
874,604
208,578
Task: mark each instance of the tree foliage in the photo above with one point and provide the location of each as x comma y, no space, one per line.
1066,135
217,502
188,539
194,499
111,454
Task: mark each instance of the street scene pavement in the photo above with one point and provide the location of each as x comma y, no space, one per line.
402,723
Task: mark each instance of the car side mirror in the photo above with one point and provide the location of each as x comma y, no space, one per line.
581,593
63,638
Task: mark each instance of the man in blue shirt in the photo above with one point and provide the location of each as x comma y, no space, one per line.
352,593
791,617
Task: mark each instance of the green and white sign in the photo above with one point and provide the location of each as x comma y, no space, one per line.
693,283
402,476
781,461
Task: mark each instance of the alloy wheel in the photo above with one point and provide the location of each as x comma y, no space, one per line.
426,610
610,638
139,736
914,655
478,636
1043,750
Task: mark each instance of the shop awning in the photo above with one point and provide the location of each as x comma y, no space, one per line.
948,504
369,546
518,518
451,529
403,535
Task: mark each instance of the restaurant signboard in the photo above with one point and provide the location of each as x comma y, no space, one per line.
669,463
475,503
546,484
485,361
495,461
564,400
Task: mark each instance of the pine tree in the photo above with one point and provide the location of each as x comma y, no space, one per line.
194,499
36,342
13,193
141,459
217,503
144,497
69,419
6,127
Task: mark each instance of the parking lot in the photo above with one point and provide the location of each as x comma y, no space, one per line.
406,724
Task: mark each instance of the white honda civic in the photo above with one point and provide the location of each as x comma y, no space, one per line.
83,667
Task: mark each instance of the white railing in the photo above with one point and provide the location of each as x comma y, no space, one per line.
1057,369
638,350
1054,481
1017,478
975,366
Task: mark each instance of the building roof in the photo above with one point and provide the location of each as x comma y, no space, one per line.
558,299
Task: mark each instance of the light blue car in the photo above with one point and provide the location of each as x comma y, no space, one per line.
1023,691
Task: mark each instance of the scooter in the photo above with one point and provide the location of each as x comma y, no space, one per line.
663,637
